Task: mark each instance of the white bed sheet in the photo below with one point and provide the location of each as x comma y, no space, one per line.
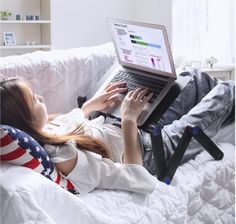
202,191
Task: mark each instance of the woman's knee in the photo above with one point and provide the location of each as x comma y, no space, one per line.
229,84
227,88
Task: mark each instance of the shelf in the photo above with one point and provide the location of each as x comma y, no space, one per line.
219,69
26,31
224,73
24,21
25,47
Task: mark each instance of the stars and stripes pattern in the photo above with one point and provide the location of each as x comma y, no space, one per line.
18,148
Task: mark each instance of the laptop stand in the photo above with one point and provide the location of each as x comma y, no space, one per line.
165,172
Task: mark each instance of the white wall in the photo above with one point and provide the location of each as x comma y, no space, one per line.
83,23
154,11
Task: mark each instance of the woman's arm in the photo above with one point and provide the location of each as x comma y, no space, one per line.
91,171
105,100
132,151
132,107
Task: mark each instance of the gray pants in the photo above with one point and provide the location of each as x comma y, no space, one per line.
205,102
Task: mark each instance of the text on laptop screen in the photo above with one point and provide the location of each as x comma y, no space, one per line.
143,46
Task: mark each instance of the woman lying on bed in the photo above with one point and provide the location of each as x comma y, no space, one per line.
93,154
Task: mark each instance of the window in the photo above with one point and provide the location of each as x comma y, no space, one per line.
204,28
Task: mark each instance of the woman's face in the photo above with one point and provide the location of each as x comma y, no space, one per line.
39,111
37,107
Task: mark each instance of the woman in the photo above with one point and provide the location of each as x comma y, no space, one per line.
87,159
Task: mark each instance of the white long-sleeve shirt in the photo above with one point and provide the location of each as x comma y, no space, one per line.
92,171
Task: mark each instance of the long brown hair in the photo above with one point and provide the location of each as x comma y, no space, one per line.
15,111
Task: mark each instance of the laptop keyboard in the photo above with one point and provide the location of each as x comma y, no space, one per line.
134,81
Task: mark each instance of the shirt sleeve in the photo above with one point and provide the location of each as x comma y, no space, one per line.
92,171
61,153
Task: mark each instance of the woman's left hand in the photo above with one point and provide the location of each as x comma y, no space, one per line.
106,99
134,103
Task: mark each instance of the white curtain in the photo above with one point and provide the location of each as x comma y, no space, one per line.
204,28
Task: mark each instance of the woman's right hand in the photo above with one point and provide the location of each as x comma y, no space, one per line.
105,99
134,103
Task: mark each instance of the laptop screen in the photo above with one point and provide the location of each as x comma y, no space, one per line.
143,47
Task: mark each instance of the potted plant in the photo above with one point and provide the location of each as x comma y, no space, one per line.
211,61
5,14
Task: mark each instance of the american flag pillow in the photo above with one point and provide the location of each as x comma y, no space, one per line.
18,148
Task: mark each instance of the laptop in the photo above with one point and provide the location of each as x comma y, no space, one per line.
144,60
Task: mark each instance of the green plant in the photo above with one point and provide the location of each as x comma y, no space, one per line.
5,14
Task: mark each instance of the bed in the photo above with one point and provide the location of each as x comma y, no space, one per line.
202,190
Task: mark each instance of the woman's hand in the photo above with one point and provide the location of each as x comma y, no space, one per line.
106,99
131,108
134,103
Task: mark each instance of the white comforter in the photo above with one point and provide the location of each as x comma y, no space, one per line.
202,191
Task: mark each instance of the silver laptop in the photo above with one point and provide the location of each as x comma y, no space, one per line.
144,60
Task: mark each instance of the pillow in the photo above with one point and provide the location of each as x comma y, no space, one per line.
18,148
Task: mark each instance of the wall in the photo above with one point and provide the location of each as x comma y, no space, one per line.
83,23
154,11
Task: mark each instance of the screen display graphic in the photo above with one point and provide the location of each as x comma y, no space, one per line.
143,46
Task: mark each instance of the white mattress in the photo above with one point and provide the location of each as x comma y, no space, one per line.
202,191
